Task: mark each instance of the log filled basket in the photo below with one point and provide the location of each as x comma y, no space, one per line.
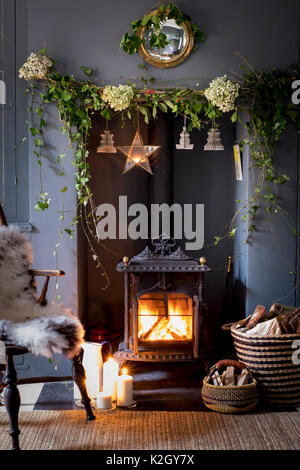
233,398
270,360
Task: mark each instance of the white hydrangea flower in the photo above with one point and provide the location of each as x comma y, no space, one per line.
118,97
36,67
222,92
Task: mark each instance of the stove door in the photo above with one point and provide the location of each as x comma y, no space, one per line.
165,316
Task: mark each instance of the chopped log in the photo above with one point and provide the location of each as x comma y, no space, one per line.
217,379
229,376
243,378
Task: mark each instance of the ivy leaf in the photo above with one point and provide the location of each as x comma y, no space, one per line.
64,189
86,71
66,95
38,142
145,113
154,111
145,20
80,113
34,131
163,107
38,111
217,239
199,36
170,104
135,25
69,232
234,116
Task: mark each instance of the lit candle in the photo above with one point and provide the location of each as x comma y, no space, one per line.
124,388
104,401
110,375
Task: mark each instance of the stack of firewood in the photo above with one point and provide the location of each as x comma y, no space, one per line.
233,375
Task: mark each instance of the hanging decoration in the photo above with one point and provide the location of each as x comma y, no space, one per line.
137,153
214,141
184,142
106,142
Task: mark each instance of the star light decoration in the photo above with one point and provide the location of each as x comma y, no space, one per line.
138,154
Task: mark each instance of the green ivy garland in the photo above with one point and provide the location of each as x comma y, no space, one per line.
131,41
265,98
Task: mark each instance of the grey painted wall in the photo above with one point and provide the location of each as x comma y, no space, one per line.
88,33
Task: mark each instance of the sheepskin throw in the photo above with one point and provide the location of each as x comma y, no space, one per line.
41,329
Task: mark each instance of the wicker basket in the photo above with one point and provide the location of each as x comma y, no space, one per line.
229,399
269,358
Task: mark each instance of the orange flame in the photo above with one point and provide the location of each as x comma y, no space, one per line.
155,326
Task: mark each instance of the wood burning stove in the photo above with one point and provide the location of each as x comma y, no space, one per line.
165,309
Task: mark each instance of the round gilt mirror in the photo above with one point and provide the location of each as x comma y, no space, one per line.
178,43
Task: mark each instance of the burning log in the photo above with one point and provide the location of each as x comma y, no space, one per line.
153,327
175,335
162,324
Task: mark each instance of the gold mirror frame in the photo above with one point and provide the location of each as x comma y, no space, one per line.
176,60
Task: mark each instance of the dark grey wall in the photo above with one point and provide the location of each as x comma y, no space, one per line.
14,167
88,33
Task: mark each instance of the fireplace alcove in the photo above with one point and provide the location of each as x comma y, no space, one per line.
178,176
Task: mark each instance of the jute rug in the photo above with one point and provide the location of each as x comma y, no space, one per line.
68,430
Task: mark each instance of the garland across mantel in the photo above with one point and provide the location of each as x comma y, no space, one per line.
264,97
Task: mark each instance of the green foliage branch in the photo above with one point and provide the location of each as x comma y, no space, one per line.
265,99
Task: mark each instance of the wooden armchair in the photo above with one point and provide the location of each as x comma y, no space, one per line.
10,379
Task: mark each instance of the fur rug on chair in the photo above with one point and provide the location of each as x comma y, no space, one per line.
41,329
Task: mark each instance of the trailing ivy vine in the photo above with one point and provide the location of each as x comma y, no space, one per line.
265,100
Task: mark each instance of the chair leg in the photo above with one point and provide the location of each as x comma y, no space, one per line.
79,377
12,399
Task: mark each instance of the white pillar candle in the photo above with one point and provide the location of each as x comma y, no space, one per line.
104,401
124,389
110,375
92,363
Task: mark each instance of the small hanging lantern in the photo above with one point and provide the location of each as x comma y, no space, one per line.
214,141
184,142
106,142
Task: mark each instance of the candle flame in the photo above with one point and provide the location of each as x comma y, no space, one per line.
110,359
124,371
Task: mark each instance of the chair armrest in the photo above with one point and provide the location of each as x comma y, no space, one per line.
46,272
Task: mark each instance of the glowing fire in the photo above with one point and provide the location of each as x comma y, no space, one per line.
169,319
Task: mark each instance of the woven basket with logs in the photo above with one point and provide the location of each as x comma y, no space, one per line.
270,359
230,398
